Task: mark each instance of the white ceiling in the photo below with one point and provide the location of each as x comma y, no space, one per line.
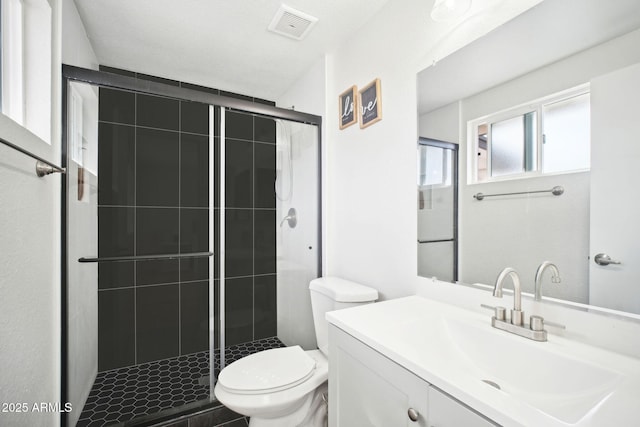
218,43
548,32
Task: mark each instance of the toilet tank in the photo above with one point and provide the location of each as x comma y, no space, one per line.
334,293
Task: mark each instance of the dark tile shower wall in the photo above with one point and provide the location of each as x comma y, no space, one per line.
153,196
153,200
250,267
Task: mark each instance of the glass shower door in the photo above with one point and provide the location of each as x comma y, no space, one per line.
140,219
269,229
297,191
156,185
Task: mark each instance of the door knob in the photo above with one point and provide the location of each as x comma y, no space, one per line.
604,259
413,414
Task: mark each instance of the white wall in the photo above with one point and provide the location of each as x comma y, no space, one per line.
308,92
371,173
29,265
614,185
30,285
76,47
442,124
522,232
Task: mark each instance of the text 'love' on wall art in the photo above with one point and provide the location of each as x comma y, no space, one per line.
348,107
364,106
370,101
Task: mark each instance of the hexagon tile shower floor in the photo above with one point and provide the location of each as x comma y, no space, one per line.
123,394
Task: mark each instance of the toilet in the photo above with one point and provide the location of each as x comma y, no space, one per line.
286,387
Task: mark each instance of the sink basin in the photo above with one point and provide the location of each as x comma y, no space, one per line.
512,380
565,388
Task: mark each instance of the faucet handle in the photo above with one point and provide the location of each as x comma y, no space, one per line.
500,312
536,323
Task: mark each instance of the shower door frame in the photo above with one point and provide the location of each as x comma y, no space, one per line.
116,81
454,148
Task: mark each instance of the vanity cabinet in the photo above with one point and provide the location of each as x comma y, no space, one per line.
368,389
445,411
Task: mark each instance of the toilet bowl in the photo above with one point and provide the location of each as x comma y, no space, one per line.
274,387
286,387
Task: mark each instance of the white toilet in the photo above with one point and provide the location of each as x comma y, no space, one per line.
284,387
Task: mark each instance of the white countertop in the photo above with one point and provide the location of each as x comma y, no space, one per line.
435,341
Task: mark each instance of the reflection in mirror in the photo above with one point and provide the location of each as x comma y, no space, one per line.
438,209
545,109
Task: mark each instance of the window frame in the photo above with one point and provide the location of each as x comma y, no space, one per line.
12,47
536,106
30,62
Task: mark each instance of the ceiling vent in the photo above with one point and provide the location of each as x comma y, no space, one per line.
292,23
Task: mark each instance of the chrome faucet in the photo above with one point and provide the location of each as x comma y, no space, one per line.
555,277
516,313
534,330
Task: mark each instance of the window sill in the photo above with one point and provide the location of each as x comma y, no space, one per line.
528,177
23,138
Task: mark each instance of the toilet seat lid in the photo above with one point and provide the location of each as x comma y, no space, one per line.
268,371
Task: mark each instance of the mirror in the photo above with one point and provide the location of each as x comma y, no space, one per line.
542,59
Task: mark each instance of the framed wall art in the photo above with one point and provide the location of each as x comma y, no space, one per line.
370,104
348,108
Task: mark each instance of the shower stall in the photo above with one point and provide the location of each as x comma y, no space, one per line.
191,232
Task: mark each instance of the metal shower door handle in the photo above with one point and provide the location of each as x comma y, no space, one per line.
604,259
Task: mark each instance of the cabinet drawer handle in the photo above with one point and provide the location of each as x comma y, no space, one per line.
413,414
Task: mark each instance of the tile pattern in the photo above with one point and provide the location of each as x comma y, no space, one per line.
123,394
153,191
153,198
250,226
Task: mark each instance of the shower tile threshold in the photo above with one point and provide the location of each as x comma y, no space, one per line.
121,395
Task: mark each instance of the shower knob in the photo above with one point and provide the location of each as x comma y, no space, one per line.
291,218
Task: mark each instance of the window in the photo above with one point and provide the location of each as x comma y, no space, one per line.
546,136
26,47
12,47
513,145
567,134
